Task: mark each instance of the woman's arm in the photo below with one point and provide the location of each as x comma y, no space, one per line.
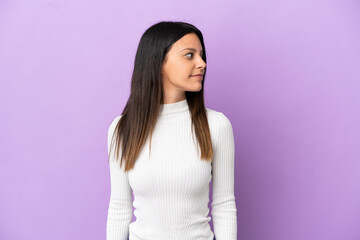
120,205
223,203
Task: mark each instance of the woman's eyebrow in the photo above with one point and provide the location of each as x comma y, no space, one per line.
193,49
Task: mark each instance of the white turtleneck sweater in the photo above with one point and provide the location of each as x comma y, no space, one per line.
171,186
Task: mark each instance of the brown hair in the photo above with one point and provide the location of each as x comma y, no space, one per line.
140,113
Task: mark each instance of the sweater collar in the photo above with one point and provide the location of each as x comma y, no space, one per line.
174,107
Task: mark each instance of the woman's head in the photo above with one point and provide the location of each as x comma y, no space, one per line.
182,63
168,55
160,56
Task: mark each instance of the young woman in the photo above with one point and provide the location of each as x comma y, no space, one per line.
166,146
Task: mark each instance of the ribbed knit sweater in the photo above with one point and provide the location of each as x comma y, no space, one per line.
171,186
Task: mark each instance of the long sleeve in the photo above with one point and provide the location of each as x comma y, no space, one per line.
223,203
120,205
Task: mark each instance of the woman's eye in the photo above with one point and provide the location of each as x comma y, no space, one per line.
192,54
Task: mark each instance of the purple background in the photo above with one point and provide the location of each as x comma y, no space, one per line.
286,73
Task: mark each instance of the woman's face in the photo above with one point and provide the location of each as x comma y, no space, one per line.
181,64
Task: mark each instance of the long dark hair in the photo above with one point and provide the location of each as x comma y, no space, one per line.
140,113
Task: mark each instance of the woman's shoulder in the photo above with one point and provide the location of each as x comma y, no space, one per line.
115,119
113,123
218,121
216,117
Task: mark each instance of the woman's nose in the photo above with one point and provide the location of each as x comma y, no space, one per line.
201,63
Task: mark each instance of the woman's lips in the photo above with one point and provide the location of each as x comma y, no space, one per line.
198,76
